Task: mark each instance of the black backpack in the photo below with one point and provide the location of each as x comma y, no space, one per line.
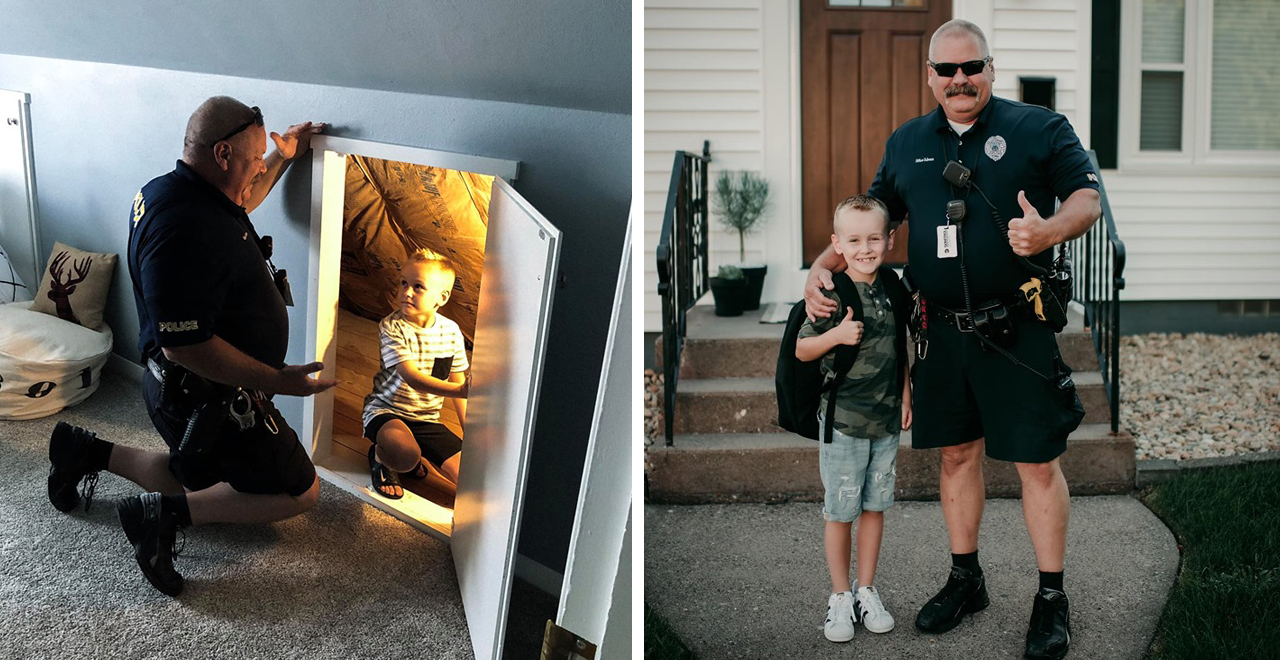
800,384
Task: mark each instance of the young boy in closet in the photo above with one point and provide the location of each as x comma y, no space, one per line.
423,362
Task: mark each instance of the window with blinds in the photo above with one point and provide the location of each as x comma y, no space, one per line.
1163,73
1245,84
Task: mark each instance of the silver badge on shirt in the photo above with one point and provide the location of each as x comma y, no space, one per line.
995,147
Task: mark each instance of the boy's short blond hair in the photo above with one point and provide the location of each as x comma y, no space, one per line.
862,203
437,265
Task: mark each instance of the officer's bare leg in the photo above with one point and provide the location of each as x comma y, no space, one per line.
222,503
149,469
963,494
1046,506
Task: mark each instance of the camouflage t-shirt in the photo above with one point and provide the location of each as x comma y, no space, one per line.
866,407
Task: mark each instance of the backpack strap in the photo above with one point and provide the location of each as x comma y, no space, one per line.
845,355
900,301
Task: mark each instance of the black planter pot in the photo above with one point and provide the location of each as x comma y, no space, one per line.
755,285
730,295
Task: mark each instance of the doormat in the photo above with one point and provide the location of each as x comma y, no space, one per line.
776,312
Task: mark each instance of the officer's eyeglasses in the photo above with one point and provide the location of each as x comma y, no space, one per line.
255,120
970,68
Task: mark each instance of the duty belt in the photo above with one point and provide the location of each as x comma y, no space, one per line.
964,322
243,406
961,320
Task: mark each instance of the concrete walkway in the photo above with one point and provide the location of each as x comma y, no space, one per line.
750,581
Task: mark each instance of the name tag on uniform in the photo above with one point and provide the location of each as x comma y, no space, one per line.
947,242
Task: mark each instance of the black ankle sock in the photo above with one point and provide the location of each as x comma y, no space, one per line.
967,561
1051,580
176,506
100,454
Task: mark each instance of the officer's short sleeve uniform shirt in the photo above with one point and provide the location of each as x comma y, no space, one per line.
1012,146
198,271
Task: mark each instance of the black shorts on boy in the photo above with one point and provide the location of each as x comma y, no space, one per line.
437,443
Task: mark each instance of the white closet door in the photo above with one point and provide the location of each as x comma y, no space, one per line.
596,550
17,192
521,253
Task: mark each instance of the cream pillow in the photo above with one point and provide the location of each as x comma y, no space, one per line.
74,285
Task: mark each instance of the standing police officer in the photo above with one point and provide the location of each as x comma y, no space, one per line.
998,391
214,332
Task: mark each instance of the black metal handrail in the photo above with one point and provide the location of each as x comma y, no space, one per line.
682,265
1097,287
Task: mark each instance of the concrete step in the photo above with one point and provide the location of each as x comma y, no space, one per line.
780,467
743,347
749,405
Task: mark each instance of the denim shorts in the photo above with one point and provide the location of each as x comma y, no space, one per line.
858,475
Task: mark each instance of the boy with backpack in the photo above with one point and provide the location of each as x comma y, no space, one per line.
862,411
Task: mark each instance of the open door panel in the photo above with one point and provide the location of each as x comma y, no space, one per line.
510,327
511,332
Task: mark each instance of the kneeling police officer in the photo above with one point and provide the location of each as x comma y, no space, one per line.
214,332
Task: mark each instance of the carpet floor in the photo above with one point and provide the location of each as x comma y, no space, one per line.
343,580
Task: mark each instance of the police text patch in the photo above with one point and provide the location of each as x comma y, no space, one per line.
179,326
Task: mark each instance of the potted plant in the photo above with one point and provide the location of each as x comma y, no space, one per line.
740,200
729,289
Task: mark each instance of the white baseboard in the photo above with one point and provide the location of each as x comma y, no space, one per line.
540,576
127,368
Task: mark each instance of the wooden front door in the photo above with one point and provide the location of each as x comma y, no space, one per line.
862,74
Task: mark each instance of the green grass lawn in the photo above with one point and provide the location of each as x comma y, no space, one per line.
660,642
1226,602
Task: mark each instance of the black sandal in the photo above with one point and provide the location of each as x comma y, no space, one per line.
417,473
383,477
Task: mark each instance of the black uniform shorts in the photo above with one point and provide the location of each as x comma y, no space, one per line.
961,393
254,461
437,443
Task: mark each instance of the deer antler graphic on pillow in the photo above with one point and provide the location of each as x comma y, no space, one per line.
60,291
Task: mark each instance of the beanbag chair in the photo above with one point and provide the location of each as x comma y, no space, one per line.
46,363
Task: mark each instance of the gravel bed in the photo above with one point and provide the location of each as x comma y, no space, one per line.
1183,395
1199,395
652,407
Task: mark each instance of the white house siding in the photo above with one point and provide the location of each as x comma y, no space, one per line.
1197,237
702,81
1044,38
712,68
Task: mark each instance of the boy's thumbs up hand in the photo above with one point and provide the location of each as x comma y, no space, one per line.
850,330
1030,234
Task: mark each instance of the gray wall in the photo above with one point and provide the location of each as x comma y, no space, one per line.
561,53
101,131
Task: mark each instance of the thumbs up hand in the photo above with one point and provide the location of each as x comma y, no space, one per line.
1030,234
849,332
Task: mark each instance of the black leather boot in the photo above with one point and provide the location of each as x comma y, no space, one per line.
964,593
1049,634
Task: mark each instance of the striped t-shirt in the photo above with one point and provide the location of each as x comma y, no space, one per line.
402,340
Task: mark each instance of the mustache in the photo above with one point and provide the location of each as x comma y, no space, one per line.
968,89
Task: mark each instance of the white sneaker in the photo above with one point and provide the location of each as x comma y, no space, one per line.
871,612
839,626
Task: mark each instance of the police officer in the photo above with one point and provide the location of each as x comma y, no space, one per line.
214,331
972,394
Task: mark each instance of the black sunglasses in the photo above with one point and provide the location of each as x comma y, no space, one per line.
970,68
256,119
